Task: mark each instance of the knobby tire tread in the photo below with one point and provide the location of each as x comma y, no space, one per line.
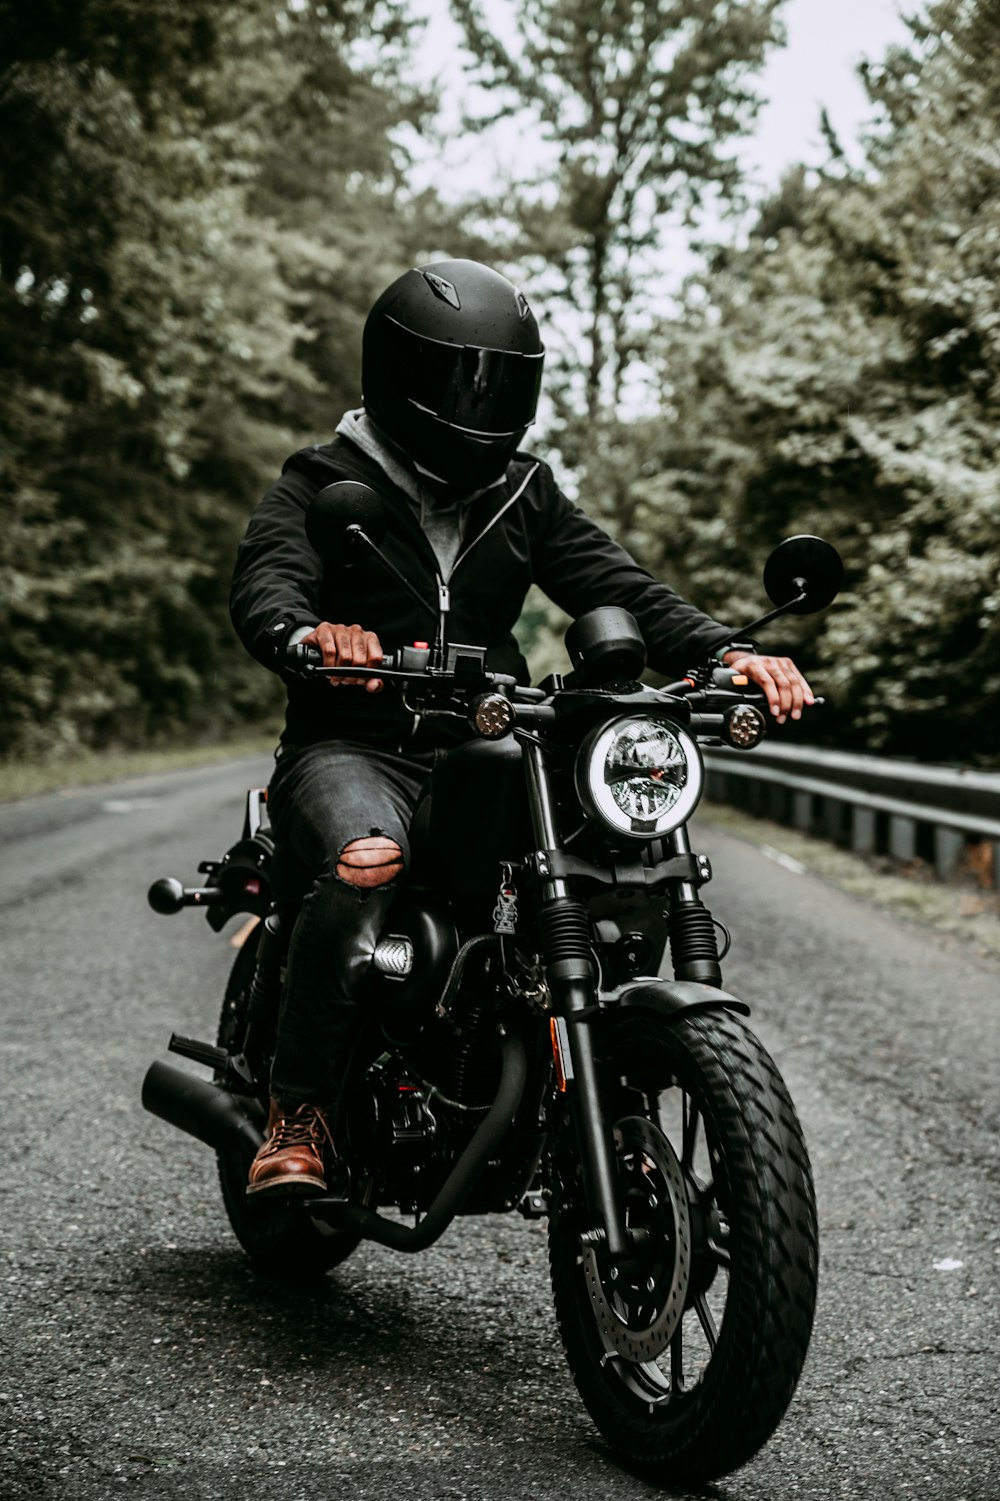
768,1318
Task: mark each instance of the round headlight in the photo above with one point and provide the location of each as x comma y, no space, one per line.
640,776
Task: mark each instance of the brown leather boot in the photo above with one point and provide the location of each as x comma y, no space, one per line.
291,1159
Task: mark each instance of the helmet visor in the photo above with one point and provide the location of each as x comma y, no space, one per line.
489,391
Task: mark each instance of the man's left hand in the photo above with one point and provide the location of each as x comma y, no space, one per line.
783,685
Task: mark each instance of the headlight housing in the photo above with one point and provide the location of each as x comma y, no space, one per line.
641,776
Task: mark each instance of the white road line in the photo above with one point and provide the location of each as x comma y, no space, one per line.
785,861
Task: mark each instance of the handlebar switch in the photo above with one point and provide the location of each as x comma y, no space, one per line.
414,658
465,662
303,655
725,677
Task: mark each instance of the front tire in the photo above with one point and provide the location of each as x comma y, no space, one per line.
688,1357
278,1236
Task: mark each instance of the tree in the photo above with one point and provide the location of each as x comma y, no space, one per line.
159,262
841,373
637,104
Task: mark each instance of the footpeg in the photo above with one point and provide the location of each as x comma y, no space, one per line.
233,1067
198,1052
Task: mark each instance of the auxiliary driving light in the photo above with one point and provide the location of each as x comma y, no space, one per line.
491,715
744,726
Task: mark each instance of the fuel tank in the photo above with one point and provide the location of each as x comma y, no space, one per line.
474,818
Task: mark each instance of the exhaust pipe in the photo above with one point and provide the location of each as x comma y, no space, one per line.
460,1181
220,1120
205,1111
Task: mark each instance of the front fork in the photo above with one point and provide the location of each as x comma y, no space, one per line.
568,954
571,976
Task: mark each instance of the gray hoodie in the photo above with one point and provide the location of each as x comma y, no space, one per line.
441,521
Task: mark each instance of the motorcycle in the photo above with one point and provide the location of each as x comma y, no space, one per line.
521,1049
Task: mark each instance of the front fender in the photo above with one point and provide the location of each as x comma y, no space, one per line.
671,997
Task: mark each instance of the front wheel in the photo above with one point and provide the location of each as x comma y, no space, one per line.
687,1354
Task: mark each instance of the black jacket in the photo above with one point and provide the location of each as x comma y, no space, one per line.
522,532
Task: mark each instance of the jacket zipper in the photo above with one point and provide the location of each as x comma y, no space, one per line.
492,523
444,585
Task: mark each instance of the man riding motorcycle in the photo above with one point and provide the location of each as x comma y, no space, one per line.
451,373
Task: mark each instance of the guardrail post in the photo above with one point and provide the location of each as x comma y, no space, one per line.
948,846
802,810
902,837
863,830
833,820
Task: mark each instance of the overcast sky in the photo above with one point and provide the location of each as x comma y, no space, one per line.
826,41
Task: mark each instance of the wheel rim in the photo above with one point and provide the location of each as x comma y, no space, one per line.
690,1321
638,1304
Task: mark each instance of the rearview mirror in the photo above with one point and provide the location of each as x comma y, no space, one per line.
803,565
338,508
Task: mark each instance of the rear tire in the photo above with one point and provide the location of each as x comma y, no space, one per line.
278,1235
700,1105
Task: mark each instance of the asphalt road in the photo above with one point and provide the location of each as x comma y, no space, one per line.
141,1354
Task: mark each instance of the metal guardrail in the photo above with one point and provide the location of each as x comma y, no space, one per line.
872,804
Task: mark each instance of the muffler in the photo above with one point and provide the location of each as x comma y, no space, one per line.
220,1119
205,1111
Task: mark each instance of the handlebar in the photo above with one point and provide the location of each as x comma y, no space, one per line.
712,695
463,668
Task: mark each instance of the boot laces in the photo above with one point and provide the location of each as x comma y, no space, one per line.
304,1128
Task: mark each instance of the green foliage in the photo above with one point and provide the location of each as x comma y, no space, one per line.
200,198
840,373
638,105
189,195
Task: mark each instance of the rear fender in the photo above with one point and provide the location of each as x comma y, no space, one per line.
672,997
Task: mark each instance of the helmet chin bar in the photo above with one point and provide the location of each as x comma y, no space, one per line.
428,474
447,456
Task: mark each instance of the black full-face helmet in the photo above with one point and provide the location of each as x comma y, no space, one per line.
451,368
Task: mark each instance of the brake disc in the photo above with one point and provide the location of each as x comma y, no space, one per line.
638,1316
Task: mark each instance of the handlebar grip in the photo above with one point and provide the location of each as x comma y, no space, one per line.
725,677
408,659
304,654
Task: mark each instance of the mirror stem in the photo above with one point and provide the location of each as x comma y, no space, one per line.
749,630
356,534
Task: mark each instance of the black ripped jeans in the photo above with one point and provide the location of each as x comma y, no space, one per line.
321,799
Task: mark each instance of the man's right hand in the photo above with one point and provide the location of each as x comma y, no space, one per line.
347,646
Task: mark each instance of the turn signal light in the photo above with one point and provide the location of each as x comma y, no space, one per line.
491,715
744,726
